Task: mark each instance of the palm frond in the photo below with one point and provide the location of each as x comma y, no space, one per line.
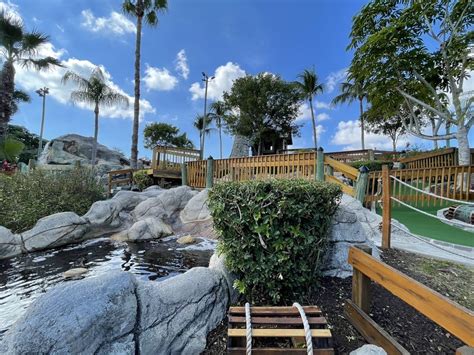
11,30
113,98
79,81
129,8
82,96
31,42
151,18
41,64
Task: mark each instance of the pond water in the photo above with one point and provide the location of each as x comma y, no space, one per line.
24,278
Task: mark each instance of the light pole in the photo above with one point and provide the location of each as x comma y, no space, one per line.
42,93
206,79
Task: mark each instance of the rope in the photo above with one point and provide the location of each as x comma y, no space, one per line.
307,329
452,221
248,324
430,193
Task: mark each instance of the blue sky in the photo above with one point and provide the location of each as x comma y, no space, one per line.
225,38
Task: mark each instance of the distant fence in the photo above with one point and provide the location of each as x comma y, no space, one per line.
439,158
352,155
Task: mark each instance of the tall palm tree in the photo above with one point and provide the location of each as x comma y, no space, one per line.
350,91
218,111
309,86
201,123
94,91
148,10
17,46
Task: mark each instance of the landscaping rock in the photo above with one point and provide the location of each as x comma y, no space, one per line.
217,263
145,229
129,199
79,317
55,230
104,214
178,313
10,244
369,349
187,239
196,209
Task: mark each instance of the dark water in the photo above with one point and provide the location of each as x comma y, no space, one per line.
24,278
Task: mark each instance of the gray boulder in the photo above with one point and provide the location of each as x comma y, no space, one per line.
196,209
104,214
10,244
55,230
147,228
128,200
369,349
178,313
97,314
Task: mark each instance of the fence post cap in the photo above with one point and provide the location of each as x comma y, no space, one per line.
321,149
210,157
363,169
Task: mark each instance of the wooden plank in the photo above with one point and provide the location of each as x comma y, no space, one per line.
345,188
271,351
370,330
387,208
453,317
347,170
278,320
275,311
279,333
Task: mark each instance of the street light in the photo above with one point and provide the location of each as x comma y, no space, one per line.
42,93
206,79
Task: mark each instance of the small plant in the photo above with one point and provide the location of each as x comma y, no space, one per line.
274,235
142,180
372,165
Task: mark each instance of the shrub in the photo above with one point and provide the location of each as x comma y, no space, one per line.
274,234
142,179
25,198
372,165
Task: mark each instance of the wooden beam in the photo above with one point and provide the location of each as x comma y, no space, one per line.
278,333
271,351
453,317
370,330
387,208
346,169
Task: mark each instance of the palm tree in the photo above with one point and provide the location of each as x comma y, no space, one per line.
94,91
218,111
309,87
201,123
148,10
350,91
17,46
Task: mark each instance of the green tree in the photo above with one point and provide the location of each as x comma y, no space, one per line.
309,86
259,104
418,49
350,91
30,140
202,124
164,134
94,91
17,46
141,10
218,111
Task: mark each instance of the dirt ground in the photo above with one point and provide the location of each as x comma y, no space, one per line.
411,329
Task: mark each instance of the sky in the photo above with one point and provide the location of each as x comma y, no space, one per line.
224,38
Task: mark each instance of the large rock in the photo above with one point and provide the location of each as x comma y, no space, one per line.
54,231
104,214
81,317
178,313
369,349
196,209
10,244
145,229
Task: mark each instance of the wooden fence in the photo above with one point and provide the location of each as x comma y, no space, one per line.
439,158
351,155
171,158
451,316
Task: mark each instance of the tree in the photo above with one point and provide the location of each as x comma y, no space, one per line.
350,91
148,10
391,124
17,46
261,103
419,49
164,134
202,123
30,140
95,92
19,96
309,87
218,111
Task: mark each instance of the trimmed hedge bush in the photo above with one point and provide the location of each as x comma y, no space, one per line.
25,198
372,165
274,235
142,180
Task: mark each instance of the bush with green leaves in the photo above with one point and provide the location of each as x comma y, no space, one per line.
372,165
142,179
25,198
274,235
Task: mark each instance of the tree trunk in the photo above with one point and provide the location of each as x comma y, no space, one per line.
313,120
433,129
136,107
464,152
220,136
394,145
7,87
96,133
362,124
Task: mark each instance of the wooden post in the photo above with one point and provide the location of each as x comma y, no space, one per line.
320,164
31,164
210,173
361,285
387,205
184,174
361,185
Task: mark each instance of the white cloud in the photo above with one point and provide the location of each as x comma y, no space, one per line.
305,114
335,78
10,9
224,78
159,79
348,136
322,117
116,23
182,64
323,105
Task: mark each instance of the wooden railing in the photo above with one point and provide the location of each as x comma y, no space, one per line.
120,178
436,159
350,155
451,316
455,182
171,158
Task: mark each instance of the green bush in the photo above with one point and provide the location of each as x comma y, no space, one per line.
372,165
142,179
274,235
25,198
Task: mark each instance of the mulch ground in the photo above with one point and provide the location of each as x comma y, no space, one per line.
411,329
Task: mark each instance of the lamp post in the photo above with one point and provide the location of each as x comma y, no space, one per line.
42,93
206,79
